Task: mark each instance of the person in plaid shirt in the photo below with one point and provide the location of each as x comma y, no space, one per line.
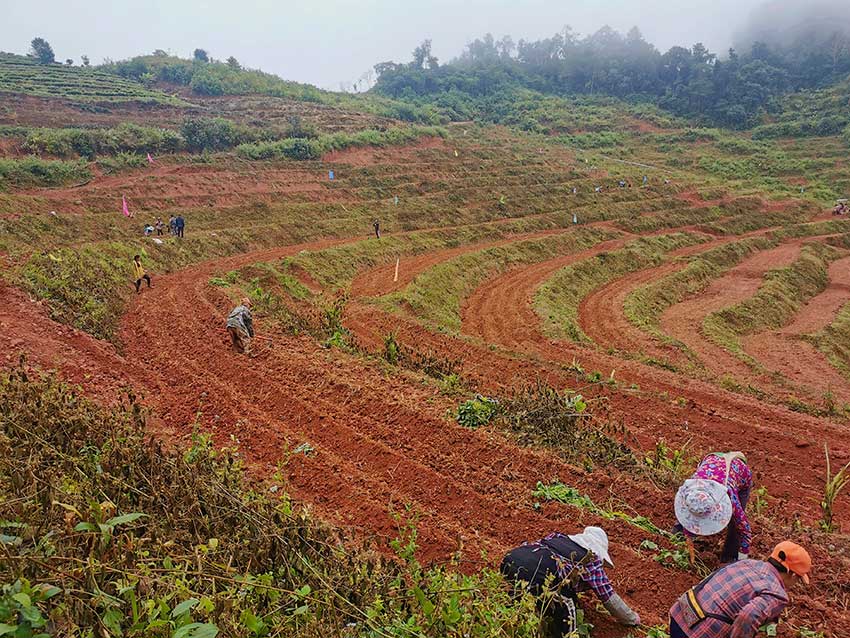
737,599
562,566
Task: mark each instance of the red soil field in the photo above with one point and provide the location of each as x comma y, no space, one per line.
381,441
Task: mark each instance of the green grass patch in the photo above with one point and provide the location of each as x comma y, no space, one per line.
557,300
834,341
671,219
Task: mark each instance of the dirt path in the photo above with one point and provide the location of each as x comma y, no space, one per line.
683,321
616,331
783,351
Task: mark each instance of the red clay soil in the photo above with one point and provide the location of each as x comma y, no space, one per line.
380,280
683,321
785,352
26,328
380,441
166,186
616,331
484,315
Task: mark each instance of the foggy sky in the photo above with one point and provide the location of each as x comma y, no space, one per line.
324,42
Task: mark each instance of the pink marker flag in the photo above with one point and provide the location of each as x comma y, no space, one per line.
150,159
125,210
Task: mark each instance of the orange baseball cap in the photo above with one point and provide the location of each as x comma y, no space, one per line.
794,558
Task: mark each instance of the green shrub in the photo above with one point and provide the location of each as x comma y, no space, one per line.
210,133
33,171
477,411
89,143
120,162
302,148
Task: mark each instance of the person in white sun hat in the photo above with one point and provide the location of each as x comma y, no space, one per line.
556,568
715,495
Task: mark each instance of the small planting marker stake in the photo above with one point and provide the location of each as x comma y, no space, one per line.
395,277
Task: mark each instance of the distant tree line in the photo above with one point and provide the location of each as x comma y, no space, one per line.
734,91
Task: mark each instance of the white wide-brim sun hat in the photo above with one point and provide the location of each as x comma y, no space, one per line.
703,507
596,540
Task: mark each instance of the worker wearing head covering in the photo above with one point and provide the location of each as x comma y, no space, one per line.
562,566
736,600
716,494
240,326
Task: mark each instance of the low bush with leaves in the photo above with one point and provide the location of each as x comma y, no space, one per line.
33,171
540,415
477,411
106,532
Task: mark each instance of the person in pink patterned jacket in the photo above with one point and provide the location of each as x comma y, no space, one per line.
716,494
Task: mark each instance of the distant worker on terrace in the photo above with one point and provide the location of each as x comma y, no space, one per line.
736,600
376,224
180,224
240,326
716,494
556,568
139,273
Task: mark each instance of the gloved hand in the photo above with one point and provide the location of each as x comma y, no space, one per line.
637,619
742,556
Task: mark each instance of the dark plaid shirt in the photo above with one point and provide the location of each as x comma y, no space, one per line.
749,592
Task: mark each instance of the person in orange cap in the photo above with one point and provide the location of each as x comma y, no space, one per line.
737,599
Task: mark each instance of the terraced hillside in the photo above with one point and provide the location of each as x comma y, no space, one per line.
27,76
691,311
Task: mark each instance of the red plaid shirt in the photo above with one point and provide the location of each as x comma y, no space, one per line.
749,592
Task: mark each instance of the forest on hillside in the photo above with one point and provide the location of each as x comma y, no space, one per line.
738,89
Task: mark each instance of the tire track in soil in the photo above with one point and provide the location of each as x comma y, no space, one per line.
374,444
785,352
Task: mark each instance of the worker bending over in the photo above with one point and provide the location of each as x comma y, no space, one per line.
240,326
563,566
736,600
716,493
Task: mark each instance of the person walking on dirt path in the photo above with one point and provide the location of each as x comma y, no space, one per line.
736,600
556,568
240,326
180,223
376,224
716,494
139,273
